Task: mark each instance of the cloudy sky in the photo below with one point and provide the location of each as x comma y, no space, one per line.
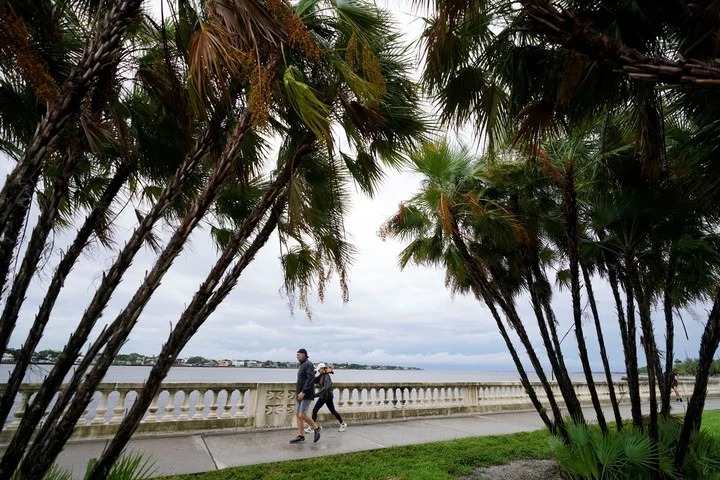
393,318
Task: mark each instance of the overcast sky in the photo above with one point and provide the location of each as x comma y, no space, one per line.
393,318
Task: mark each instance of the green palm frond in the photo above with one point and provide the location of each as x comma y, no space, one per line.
638,452
365,171
133,466
361,18
313,112
703,460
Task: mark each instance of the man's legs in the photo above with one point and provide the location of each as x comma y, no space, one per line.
302,416
301,409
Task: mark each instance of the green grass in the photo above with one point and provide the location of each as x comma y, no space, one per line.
711,421
430,461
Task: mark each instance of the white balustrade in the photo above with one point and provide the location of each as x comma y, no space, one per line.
206,406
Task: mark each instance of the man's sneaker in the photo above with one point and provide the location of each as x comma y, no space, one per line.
298,439
317,434
308,429
343,427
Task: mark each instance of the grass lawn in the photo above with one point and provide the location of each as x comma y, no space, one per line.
430,461
711,421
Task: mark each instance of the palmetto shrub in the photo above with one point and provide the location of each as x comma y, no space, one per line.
630,453
133,466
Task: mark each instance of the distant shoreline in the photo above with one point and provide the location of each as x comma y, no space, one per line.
271,367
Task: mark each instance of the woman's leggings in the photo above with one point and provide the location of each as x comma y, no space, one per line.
331,406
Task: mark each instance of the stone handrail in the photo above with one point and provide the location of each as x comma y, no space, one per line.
183,407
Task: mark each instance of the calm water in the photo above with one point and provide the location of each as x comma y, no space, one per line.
280,375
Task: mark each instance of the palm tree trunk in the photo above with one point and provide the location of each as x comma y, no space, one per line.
508,308
625,323
18,188
561,374
51,440
648,340
125,321
631,366
516,360
693,415
573,238
190,321
666,382
64,267
33,252
9,243
517,324
563,27
601,344
111,279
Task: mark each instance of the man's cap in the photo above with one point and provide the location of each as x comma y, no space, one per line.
302,350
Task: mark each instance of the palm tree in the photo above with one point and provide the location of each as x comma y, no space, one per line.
102,49
452,223
365,88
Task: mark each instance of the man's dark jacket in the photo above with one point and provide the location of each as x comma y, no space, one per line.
306,380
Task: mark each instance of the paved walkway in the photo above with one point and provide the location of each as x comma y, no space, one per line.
202,452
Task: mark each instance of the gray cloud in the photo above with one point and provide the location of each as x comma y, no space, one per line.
393,317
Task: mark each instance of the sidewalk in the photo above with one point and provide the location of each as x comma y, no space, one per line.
202,452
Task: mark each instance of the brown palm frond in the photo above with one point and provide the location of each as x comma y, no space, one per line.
365,120
542,160
571,77
15,40
213,59
249,22
446,215
537,122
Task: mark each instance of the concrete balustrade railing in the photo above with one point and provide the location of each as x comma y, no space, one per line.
183,407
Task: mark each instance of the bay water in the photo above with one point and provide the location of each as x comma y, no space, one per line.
37,373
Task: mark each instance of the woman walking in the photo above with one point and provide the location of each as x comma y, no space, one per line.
325,394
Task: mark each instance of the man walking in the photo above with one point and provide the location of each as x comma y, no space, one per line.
304,394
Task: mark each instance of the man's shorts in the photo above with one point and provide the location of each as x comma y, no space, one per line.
302,406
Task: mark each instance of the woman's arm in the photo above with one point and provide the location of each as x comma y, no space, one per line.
326,383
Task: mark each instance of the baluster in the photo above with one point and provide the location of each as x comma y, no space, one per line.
119,410
20,411
387,393
151,416
363,398
185,407
101,409
227,406
341,397
169,407
212,412
240,412
200,405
